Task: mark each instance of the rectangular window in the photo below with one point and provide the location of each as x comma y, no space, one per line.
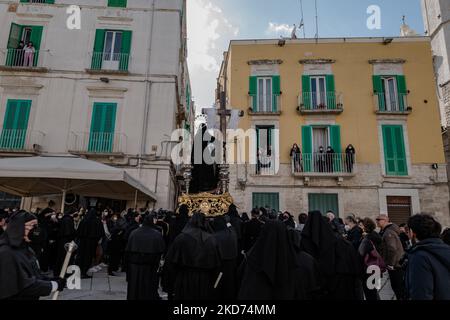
323,203
111,50
391,93
117,3
101,139
318,92
265,94
23,48
394,150
315,141
399,209
265,150
15,124
266,200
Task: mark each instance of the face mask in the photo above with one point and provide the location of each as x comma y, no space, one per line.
347,228
35,234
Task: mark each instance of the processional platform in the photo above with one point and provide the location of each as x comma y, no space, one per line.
212,205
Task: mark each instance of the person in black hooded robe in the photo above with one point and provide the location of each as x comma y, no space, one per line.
194,257
20,277
143,253
227,241
268,268
306,275
89,233
66,234
336,257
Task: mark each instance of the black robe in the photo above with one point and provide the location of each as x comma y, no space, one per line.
252,229
20,278
228,248
66,234
269,267
337,259
89,232
195,261
143,253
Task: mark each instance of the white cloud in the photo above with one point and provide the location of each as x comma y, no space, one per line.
208,35
279,29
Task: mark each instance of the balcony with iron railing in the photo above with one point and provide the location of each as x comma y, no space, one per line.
107,62
272,107
394,104
35,1
325,102
21,60
98,143
21,141
265,166
323,164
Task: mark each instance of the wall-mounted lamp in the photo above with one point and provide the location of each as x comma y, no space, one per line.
387,40
435,166
105,80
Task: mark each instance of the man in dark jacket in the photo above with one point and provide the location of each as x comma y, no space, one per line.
428,268
392,252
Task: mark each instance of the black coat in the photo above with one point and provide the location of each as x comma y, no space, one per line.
252,229
195,261
20,278
354,235
143,253
428,271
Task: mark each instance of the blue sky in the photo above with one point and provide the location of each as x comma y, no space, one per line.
212,24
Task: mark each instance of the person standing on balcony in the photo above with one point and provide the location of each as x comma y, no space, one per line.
29,55
350,157
320,160
296,156
330,159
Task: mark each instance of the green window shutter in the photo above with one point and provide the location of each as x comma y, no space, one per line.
331,91
102,127
125,50
401,163
15,35
335,137
378,90
307,148
97,54
323,203
252,91
402,91
117,3
306,92
272,200
394,151
36,37
276,91
15,124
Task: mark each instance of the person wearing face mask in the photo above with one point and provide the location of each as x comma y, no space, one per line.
353,231
320,160
20,276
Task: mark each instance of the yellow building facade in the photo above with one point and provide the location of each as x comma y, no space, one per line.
375,94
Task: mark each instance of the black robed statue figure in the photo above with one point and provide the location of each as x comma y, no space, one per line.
205,173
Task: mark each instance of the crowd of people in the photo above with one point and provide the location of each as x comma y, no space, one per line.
267,256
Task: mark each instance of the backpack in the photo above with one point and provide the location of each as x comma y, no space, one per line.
373,258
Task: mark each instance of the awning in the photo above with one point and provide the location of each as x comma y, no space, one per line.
40,176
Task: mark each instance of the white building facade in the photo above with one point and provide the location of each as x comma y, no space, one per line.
112,91
436,16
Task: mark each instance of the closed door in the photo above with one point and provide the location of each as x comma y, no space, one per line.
111,52
399,209
15,124
101,138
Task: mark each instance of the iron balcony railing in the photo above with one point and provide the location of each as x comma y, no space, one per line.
110,61
395,102
324,163
21,140
265,165
320,101
35,1
272,106
23,58
98,142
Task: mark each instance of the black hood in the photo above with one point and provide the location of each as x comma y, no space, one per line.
15,230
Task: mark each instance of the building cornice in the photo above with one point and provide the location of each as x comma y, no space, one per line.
264,62
317,61
386,61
